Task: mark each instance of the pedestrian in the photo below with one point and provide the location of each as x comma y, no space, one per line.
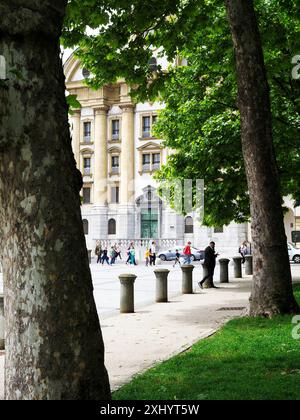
132,256
147,256
118,252
112,256
187,252
209,264
243,250
177,258
105,256
153,254
98,252
128,253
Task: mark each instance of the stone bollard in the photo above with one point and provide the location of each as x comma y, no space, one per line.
2,339
208,283
237,261
224,274
161,285
127,293
187,279
249,265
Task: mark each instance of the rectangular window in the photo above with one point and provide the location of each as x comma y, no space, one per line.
86,195
115,129
87,166
115,195
146,162
87,131
146,126
115,164
155,161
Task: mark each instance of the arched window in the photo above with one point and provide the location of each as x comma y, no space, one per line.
189,225
112,227
86,226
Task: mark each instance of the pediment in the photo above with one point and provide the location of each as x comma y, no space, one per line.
150,146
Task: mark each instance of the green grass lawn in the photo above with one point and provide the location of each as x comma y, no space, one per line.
248,359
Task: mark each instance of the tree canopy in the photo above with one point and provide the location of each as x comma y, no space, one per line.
201,121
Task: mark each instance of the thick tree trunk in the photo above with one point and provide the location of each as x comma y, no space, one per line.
54,347
272,291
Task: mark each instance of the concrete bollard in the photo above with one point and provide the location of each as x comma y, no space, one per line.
224,266
187,279
237,261
2,338
161,285
249,265
127,293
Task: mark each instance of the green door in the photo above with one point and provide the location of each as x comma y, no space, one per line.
149,221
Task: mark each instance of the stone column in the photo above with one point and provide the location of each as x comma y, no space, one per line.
126,208
127,293
237,267
187,279
2,340
76,120
100,157
127,154
249,265
161,285
224,274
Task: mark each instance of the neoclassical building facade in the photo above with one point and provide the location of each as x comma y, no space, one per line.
117,153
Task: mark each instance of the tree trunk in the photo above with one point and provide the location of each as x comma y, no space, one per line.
272,290
54,347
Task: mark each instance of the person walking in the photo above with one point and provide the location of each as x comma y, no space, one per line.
177,258
128,253
187,252
118,251
112,255
147,257
210,264
105,256
153,254
98,252
132,256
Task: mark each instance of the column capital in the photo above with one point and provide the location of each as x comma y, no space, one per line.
128,107
100,110
76,113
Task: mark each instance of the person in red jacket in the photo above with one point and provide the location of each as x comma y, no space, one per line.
187,252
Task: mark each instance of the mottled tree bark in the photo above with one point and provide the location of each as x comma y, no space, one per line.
54,347
272,291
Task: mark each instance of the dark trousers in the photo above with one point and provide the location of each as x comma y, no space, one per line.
105,258
99,258
152,259
210,275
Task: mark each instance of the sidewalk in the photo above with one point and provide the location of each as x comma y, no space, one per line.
136,342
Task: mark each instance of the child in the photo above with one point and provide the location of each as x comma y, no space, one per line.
147,256
177,260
